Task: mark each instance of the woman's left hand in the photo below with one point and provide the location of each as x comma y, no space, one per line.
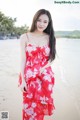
42,70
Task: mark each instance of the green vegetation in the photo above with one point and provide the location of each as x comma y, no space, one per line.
68,34
7,26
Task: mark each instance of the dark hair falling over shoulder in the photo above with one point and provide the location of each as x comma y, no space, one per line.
49,30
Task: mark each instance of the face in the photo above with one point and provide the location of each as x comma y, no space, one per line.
42,22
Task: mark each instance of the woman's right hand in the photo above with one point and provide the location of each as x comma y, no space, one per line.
23,86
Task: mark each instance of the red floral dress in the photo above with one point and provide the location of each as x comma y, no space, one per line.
37,101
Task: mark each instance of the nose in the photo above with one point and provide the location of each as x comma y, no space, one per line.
41,24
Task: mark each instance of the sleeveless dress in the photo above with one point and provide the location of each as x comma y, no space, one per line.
38,100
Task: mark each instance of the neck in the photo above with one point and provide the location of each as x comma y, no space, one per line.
38,32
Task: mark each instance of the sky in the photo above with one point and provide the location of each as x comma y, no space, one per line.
65,16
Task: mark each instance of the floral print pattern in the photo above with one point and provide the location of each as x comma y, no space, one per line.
37,101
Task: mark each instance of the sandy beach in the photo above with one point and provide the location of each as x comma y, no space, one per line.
66,91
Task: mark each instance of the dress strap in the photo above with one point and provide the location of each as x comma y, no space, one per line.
27,37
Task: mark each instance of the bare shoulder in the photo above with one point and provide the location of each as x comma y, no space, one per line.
47,37
23,38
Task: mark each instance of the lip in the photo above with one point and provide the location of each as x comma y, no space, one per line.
40,27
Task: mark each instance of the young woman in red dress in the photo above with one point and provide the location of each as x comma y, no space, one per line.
36,79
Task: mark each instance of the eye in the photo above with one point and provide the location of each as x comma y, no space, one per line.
40,21
45,21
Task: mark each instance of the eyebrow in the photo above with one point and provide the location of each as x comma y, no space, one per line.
40,19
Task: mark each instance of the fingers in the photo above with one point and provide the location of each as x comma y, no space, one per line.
42,70
23,89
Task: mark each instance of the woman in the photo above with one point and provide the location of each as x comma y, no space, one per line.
36,79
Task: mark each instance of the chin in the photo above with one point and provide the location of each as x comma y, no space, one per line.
40,30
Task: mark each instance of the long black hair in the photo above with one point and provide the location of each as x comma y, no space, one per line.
49,30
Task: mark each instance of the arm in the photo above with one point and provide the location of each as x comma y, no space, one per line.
23,55
47,65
